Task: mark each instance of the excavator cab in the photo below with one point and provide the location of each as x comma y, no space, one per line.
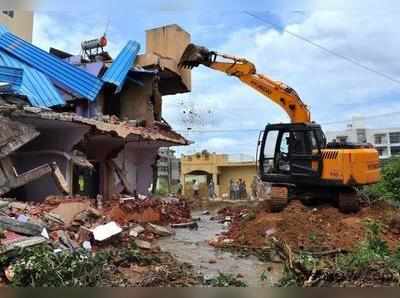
290,158
291,153
295,158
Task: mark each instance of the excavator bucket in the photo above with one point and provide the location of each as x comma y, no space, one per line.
195,55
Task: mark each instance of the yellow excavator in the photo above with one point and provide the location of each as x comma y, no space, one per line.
295,157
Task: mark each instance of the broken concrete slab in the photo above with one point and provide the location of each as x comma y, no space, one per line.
143,244
10,179
136,231
25,228
159,230
103,232
68,210
22,243
14,135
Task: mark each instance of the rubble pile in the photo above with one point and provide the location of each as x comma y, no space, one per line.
73,224
316,228
148,209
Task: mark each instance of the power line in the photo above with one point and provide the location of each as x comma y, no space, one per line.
364,117
257,130
346,58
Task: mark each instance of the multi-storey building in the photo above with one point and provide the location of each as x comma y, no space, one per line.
168,167
385,140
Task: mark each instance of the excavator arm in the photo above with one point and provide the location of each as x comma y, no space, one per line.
245,71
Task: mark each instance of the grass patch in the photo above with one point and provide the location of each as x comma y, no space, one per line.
225,280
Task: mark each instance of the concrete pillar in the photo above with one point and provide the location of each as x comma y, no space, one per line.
216,186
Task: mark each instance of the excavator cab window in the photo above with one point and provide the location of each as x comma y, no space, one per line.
282,154
268,151
289,151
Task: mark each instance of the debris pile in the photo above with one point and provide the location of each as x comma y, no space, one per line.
75,225
315,228
147,209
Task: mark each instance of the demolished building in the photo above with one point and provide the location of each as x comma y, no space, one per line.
90,124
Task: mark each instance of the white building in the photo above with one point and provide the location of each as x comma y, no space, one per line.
385,140
168,167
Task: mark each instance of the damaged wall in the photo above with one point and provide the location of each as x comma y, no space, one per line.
56,136
136,103
164,48
41,188
137,163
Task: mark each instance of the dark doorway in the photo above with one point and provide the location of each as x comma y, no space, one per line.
86,182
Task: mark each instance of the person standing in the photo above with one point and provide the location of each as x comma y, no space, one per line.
244,194
231,190
196,189
236,190
211,190
240,183
179,189
253,187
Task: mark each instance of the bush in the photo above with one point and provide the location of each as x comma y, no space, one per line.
372,249
391,179
389,186
41,267
225,280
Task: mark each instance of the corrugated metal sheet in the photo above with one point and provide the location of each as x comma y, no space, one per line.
63,74
3,29
11,75
117,72
35,85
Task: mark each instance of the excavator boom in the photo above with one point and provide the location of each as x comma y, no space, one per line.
244,70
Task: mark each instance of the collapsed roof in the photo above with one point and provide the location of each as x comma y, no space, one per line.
44,79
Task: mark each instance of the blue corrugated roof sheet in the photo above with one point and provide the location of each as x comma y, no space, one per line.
117,72
62,74
35,85
11,75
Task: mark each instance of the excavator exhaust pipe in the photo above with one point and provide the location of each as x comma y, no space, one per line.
195,55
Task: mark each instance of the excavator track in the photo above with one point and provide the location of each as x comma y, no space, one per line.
348,202
279,198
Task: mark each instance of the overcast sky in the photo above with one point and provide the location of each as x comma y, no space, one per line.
333,88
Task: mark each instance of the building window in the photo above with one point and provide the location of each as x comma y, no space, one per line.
361,136
394,137
395,150
383,151
9,13
380,138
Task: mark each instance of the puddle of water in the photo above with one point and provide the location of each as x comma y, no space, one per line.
192,247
